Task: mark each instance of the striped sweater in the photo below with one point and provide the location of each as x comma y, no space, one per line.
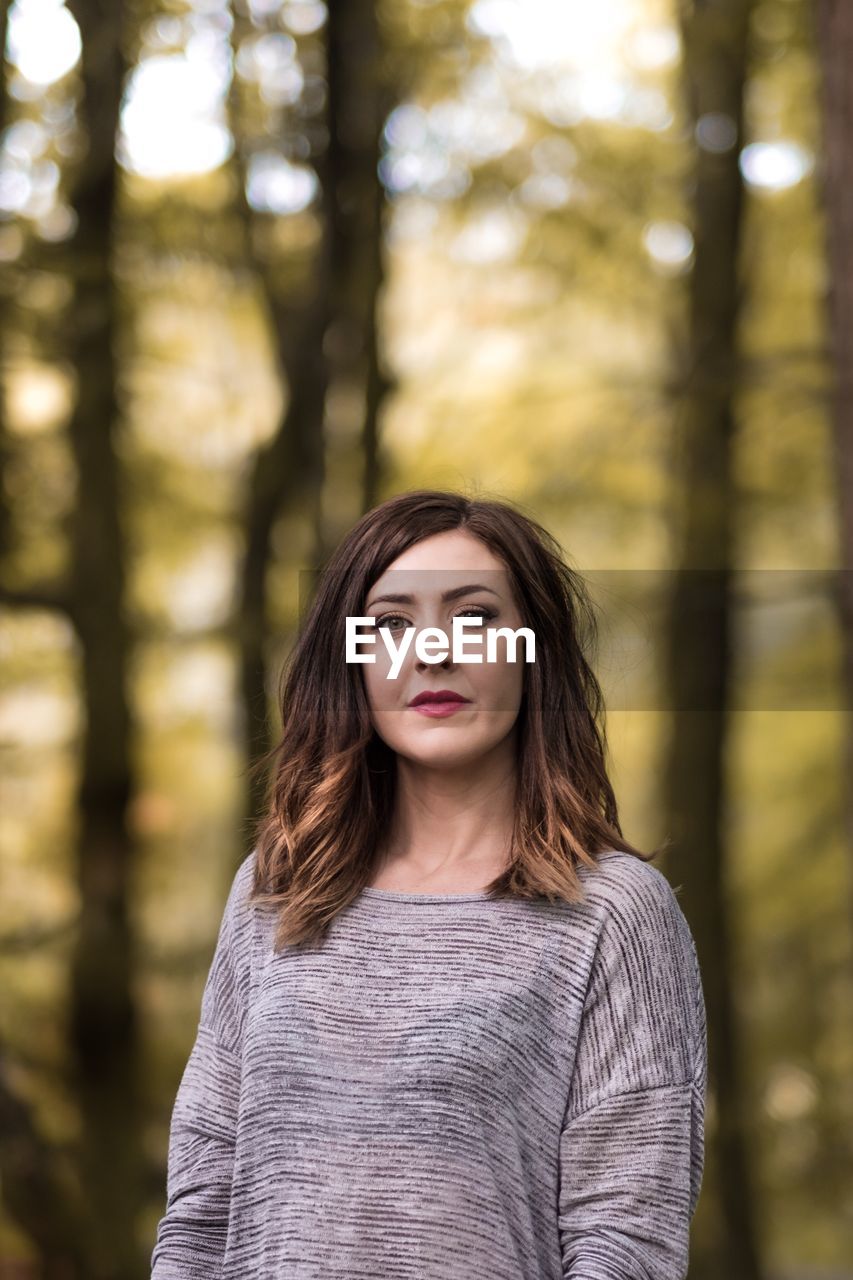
450,1087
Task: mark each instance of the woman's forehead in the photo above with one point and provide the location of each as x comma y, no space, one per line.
455,550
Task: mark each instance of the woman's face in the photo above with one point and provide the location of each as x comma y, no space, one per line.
420,582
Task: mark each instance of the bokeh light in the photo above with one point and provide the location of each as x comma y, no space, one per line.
773,166
43,41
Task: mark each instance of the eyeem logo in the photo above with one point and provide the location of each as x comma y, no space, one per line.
432,645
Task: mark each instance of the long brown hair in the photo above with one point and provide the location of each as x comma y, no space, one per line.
330,796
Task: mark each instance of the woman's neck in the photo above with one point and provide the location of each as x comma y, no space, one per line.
451,830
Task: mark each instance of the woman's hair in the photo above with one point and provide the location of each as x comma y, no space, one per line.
330,796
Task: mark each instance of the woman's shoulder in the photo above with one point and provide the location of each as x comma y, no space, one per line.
636,908
623,880
239,916
238,905
245,876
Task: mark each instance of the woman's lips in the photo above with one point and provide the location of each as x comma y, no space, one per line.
439,709
438,703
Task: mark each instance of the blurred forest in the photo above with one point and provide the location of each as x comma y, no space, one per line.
269,262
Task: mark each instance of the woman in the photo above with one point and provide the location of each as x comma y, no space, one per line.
454,1023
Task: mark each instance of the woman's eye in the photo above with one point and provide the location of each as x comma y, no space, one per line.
478,610
388,619
394,621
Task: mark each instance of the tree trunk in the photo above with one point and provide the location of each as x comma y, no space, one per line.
835,43
38,1192
5,442
698,654
103,1014
325,334
360,99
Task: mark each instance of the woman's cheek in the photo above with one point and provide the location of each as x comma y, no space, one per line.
496,682
381,691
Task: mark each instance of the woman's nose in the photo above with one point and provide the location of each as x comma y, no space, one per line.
446,664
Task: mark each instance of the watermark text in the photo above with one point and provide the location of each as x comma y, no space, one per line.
431,644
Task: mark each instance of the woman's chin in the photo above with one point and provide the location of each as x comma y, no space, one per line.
445,750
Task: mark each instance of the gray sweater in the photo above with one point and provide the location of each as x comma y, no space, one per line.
450,1087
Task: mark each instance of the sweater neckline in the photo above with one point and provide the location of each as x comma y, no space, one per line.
394,895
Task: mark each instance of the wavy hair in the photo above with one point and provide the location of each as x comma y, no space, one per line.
330,794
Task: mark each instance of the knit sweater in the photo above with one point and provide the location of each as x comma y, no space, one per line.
449,1087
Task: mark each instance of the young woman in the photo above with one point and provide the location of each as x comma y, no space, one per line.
454,1024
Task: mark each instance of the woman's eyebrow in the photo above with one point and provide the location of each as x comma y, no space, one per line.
446,596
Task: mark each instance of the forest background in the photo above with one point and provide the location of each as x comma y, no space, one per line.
267,263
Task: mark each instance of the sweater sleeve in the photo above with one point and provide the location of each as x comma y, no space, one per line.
632,1143
192,1233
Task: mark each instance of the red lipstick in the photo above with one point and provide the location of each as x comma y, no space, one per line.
438,702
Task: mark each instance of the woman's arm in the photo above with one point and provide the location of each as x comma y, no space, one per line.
632,1145
192,1233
